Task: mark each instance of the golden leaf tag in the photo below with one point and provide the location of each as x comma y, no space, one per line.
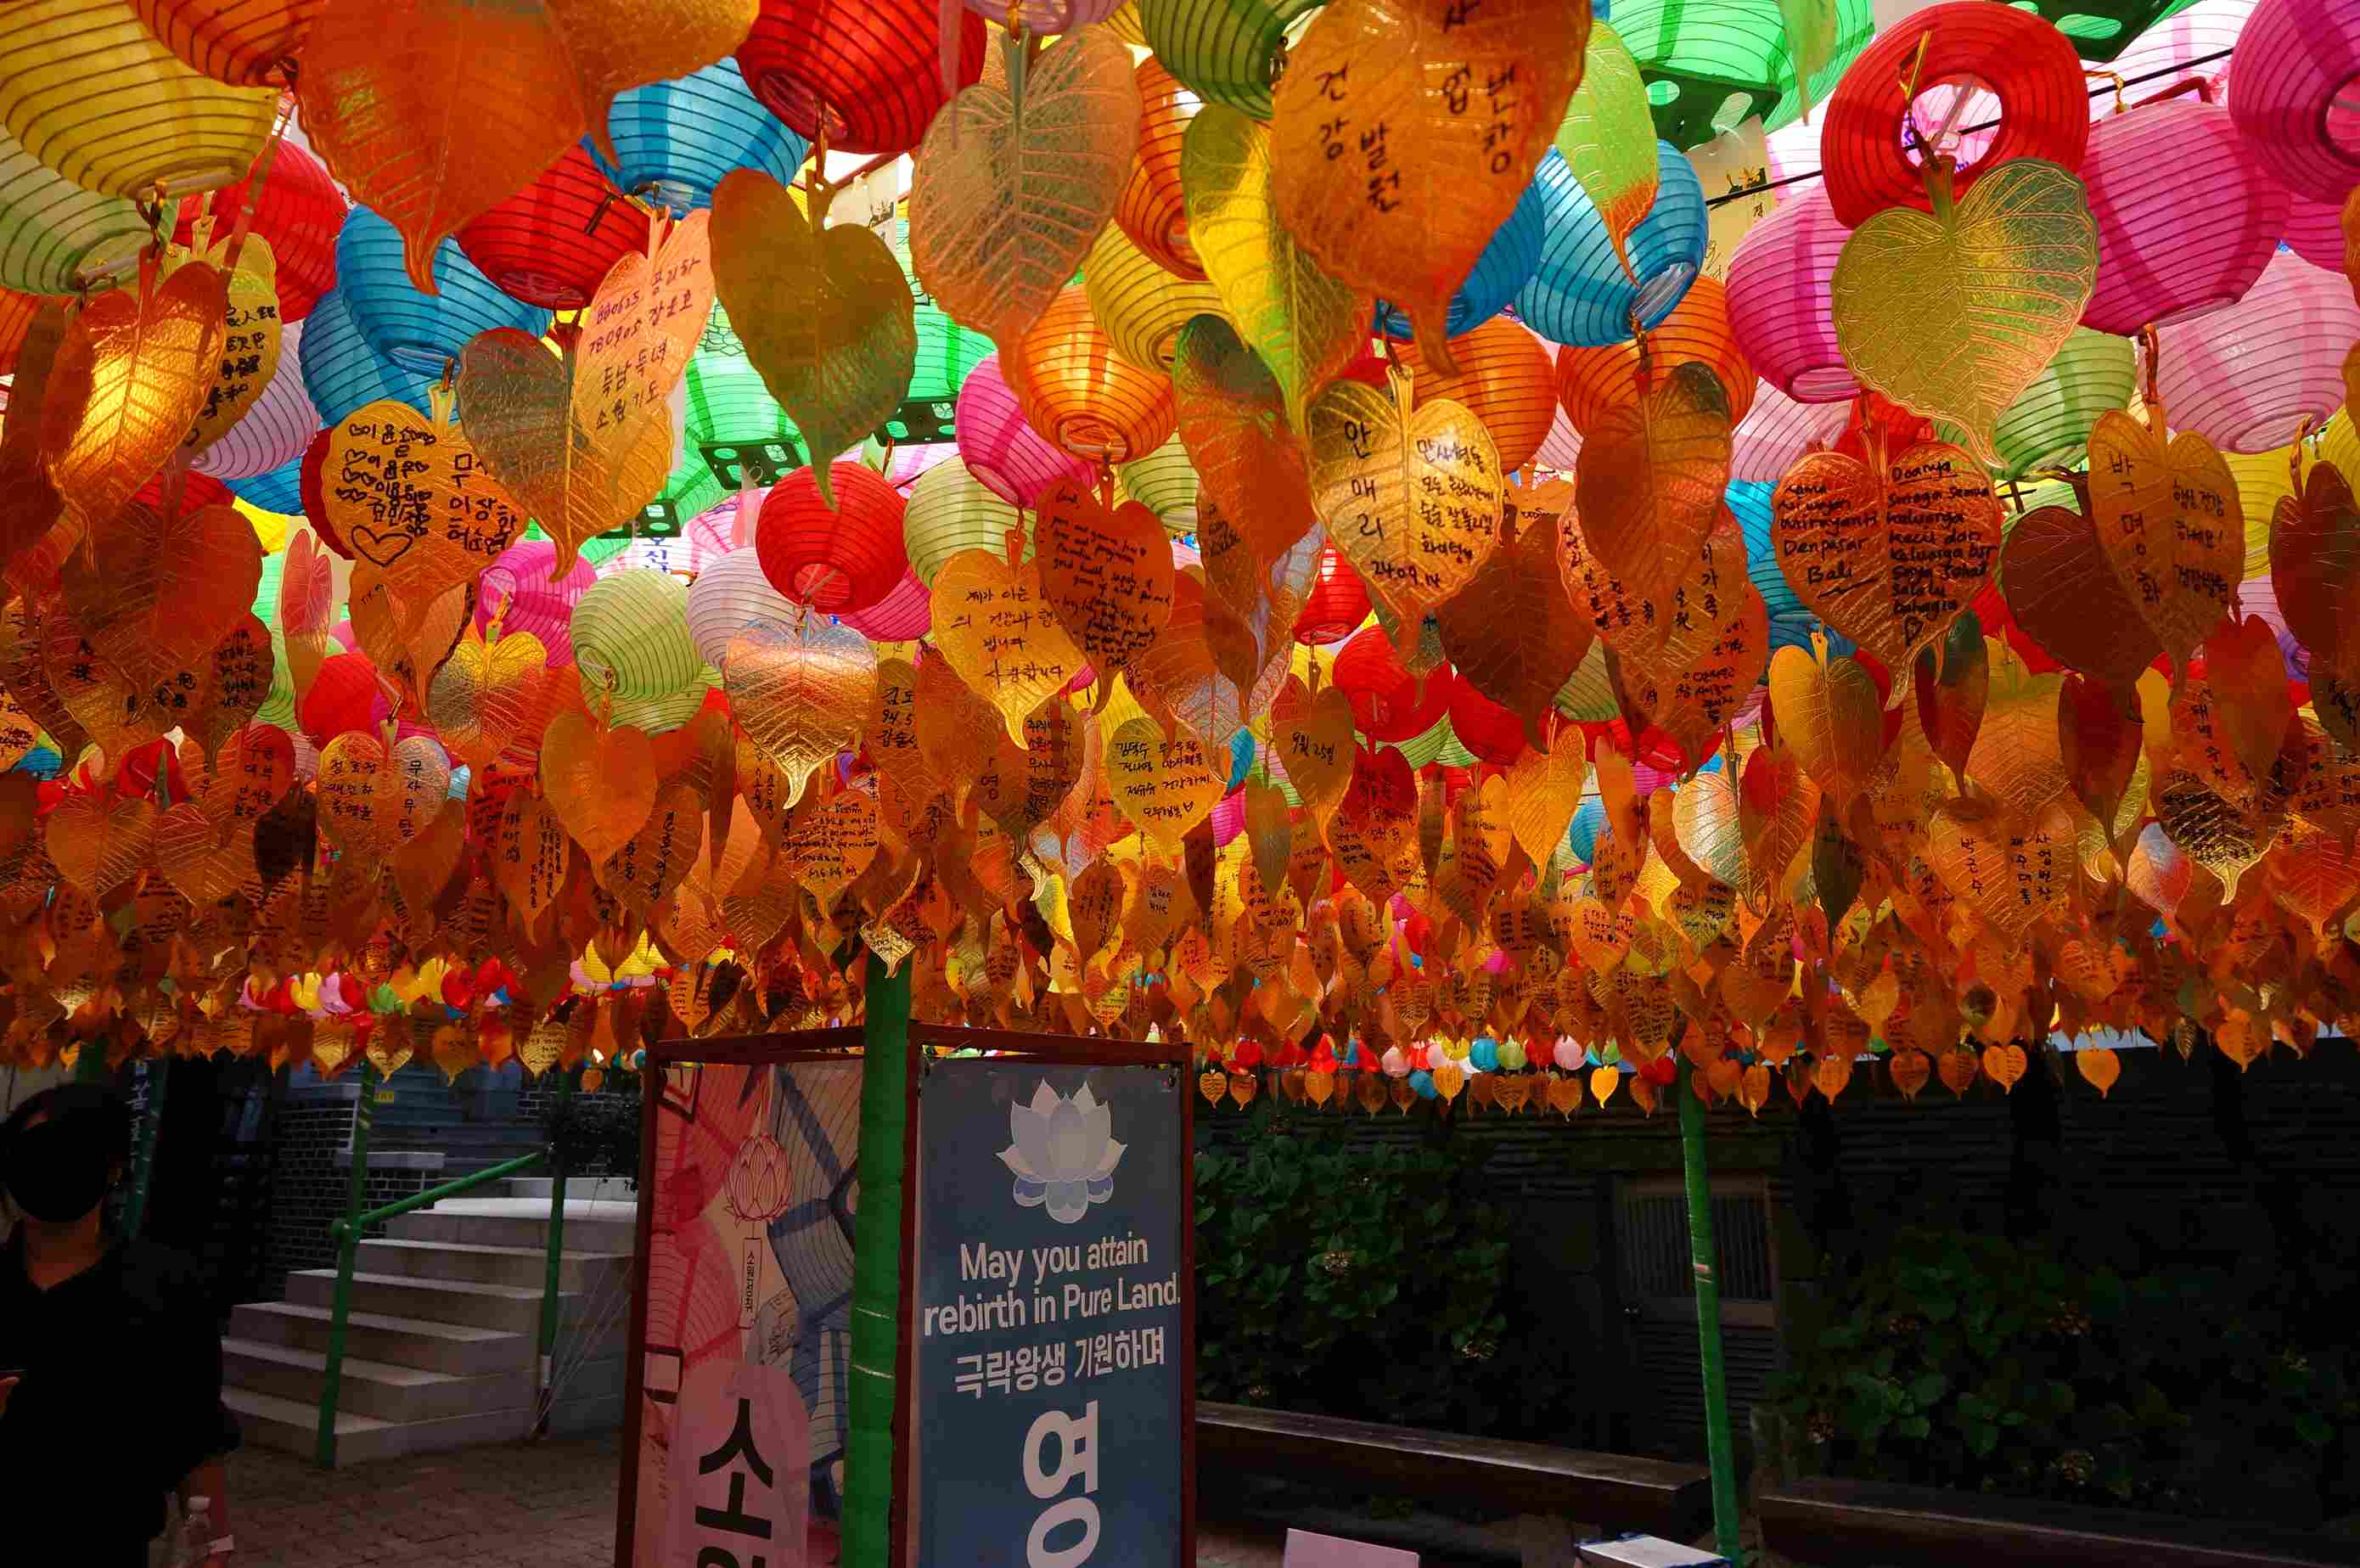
2172,525
1648,491
2004,1065
2251,704
1830,715
250,340
995,627
648,866
1105,573
423,867
102,703
1304,323
824,313
1778,802
1414,502
1889,558
2099,1065
1510,630
1544,790
1234,423
1163,782
1691,689
1270,831
1313,738
1406,130
255,769
98,843
148,360
829,846
1373,832
1910,1070
1004,203
583,442
2315,567
409,494
2016,755
372,800
29,504
2013,872
202,863
490,697
1955,314
2063,592
157,588
800,693
600,780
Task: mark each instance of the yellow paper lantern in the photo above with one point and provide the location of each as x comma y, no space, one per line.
631,636
54,234
950,510
93,94
1076,391
1165,482
1142,306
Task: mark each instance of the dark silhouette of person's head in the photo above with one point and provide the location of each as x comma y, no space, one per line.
62,1148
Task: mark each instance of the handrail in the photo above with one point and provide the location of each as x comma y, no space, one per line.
436,1194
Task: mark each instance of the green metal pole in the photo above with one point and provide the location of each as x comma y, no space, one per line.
347,1232
877,1271
1704,1258
565,1084
143,1157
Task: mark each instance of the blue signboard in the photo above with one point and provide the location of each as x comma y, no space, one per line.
1049,1362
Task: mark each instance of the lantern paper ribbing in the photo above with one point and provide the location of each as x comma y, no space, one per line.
1591,381
837,560
727,598
519,583
1780,299
421,332
1077,392
276,429
1776,430
951,510
631,637
2314,231
54,234
2295,64
873,65
1579,292
2246,377
552,243
1226,50
341,372
247,43
1337,604
2049,421
2186,218
1165,482
1506,265
1142,306
676,141
1151,210
1506,379
299,211
903,615
1014,461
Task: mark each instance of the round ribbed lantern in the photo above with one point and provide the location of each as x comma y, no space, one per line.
2017,56
247,43
1389,704
1490,733
1506,265
727,598
299,211
1591,381
630,635
1165,482
551,244
280,491
54,234
341,372
1505,379
535,601
2314,231
276,429
1226,50
674,141
949,510
2247,377
903,615
727,403
1151,210
836,561
1014,461
1338,603
2191,42
1780,286
1142,306
2049,421
1578,293
2291,85
91,91
1047,15
1776,430
17,313
1561,448
874,65
1727,61
1077,392
1749,502
421,332
2185,217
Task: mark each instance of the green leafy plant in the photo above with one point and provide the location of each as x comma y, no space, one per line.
595,1133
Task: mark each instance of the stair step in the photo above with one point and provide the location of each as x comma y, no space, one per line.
605,1189
588,1227
474,1302
425,1258
458,1349
367,1387
290,1425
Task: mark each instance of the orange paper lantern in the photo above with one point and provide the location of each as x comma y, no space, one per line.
247,43
1151,210
1077,392
1591,381
870,68
1505,379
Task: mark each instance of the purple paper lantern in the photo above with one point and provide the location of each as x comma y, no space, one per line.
906,614
1012,459
2186,218
2247,377
1776,430
276,429
1779,289
2291,92
2186,45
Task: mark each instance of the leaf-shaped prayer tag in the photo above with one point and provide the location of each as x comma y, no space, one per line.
599,779
1648,486
1163,780
2170,520
1312,737
1106,574
409,497
98,842
1374,830
1889,552
824,313
1405,131
1956,314
1004,202
482,700
1233,423
148,358
29,504
1609,136
1304,322
159,588
2315,568
372,800
2064,595
250,339
1544,791
2012,870
800,692
994,626
1414,503
1510,630
1830,715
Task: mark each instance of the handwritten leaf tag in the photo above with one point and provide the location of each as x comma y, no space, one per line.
1374,830
2065,595
2315,568
1313,738
250,340
1510,630
158,587
410,495
995,627
1234,424
600,780
1106,572
148,358
2012,870
1648,491
372,800
800,693
1163,782
2170,523
1830,716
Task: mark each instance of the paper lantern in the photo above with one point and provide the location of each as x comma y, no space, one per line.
93,94
2187,44
1506,265
1226,50
1141,306
948,352
1776,430
2017,56
276,429
630,635
1578,293
341,372
54,234
342,697
997,447
1152,212
519,583
247,43
674,141
2314,231
950,509
1749,502
1591,381
421,332
2289,84
1561,448
1720,63
834,560
1490,733
552,243
281,491
2049,421
666,711
727,402
1337,604
873,67
1389,704
2245,377
903,615
1165,482
1780,287
1076,391
17,313
727,598
1506,379
301,213
2186,218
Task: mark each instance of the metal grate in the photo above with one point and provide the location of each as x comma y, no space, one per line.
1654,1241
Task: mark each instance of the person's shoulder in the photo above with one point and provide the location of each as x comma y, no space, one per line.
160,1274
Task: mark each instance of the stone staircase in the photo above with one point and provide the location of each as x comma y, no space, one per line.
441,1340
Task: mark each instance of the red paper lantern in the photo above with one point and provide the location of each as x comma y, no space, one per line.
1339,601
839,562
1077,392
2019,57
310,485
17,313
343,698
1490,732
873,67
1388,702
299,211
552,243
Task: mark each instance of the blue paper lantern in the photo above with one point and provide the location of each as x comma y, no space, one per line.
1499,272
279,491
1750,504
1241,759
674,141
421,332
1581,833
341,372
1485,1054
1578,293
1423,1082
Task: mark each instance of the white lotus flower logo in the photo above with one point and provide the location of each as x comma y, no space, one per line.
1061,1155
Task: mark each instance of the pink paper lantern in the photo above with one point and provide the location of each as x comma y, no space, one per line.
903,615
718,530
521,575
2247,377
2314,231
1012,459
1228,818
2185,45
2290,94
2186,218
1561,448
1779,289
1776,430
